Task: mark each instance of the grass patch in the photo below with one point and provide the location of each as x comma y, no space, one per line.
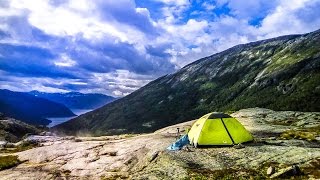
22,147
292,134
224,174
285,122
122,136
7,162
308,134
313,169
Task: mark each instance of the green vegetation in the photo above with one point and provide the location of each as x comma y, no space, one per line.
312,170
7,162
123,136
279,74
61,174
291,134
12,130
22,147
207,86
308,134
224,174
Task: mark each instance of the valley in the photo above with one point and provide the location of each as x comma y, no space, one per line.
30,109
58,120
48,109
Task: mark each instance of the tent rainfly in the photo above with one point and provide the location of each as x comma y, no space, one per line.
218,129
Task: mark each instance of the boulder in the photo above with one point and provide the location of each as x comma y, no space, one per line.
3,143
153,156
271,170
289,171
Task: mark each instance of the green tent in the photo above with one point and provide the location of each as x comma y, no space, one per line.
218,129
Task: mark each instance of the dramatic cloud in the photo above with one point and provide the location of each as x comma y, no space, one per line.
115,47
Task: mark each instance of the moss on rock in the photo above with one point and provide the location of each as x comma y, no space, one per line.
7,162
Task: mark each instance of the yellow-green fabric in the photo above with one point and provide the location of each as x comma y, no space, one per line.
195,130
218,131
219,137
238,133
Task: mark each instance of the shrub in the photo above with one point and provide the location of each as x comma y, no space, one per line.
7,162
303,135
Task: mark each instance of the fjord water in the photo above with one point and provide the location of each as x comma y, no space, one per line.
59,120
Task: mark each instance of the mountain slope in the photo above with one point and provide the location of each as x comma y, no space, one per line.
281,74
30,109
76,100
12,130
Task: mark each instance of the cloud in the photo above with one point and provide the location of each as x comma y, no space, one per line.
122,81
113,12
115,47
29,61
69,19
84,38
299,17
175,2
18,83
235,22
208,6
65,61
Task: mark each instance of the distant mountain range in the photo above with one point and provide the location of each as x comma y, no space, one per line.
30,109
76,100
281,74
34,107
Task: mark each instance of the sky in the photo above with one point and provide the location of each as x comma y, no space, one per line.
115,47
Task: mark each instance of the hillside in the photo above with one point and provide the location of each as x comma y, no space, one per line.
282,139
76,100
30,109
281,74
13,130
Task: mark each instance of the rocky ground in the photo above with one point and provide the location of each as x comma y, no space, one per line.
282,139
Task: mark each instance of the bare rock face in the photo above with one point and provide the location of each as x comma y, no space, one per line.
91,158
144,156
268,123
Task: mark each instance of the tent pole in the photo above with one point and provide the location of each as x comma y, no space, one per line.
227,130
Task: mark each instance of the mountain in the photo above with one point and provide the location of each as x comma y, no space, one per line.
281,74
30,109
13,130
76,100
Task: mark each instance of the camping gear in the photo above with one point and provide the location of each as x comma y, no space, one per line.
184,140
218,129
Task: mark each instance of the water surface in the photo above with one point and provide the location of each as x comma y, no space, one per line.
59,120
